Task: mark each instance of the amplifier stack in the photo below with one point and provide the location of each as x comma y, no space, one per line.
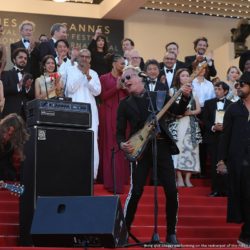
58,113
59,156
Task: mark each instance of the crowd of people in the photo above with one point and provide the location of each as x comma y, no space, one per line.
114,86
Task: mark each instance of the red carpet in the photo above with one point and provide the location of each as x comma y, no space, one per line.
201,224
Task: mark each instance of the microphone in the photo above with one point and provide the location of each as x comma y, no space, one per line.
143,75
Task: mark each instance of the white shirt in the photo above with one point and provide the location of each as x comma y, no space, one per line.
152,85
26,43
81,90
204,90
169,75
220,105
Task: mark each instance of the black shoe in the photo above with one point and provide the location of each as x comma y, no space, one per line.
243,242
217,194
172,240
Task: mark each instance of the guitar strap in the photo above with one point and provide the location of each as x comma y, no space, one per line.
160,99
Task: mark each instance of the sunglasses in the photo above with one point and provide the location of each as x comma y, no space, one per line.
127,77
239,85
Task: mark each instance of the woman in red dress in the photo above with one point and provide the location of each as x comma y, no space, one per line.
112,93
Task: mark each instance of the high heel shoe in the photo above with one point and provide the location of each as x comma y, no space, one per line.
180,184
188,184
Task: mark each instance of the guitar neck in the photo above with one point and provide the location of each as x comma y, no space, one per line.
168,104
173,98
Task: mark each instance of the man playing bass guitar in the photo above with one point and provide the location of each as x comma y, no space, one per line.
135,110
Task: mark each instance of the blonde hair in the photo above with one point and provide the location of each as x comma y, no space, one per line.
27,22
232,67
137,70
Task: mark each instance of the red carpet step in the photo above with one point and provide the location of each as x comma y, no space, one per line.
201,223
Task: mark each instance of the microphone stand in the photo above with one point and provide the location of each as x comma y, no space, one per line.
155,239
155,236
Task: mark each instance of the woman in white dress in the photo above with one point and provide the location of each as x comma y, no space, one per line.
185,130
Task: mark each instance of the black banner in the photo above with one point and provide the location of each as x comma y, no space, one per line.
80,30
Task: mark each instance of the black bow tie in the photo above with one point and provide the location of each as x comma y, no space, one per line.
65,59
221,100
153,82
19,71
26,41
169,70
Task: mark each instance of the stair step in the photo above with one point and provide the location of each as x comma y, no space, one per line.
184,210
9,229
190,231
224,242
184,220
9,217
10,206
184,200
9,240
7,196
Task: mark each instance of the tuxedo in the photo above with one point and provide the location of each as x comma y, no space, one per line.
20,44
178,65
159,86
211,69
47,48
134,110
213,140
15,101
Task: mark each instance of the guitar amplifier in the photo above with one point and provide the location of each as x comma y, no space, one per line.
59,113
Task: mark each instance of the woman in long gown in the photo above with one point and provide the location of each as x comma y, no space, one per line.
112,93
185,130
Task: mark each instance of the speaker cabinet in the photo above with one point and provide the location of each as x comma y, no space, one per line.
78,222
59,162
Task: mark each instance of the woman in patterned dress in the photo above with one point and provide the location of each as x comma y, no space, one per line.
185,130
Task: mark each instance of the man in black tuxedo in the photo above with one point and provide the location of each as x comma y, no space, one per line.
15,91
152,70
26,29
169,69
200,47
212,136
173,47
58,31
135,110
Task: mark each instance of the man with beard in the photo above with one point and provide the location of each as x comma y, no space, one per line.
16,93
234,155
82,85
200,47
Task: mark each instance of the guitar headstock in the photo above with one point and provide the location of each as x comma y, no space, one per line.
16,189
202,65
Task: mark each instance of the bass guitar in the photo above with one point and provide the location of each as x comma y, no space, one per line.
140,139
